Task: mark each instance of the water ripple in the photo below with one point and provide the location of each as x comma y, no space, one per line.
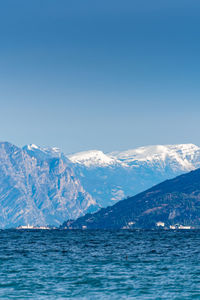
99,264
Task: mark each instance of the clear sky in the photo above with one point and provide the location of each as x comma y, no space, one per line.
92,74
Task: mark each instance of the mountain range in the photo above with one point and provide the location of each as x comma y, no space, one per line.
114,176
41,186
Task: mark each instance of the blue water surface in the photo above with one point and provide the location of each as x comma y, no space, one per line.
61,264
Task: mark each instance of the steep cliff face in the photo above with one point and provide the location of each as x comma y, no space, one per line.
39,187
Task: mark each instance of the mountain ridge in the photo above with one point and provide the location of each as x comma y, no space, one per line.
126,173
43,186
174,201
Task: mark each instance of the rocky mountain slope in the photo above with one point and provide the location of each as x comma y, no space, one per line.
175,201
114,176
39,187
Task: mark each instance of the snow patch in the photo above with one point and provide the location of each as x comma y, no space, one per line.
32,146
92,158
183,154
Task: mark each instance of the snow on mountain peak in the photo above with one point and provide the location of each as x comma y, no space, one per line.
41,152
113,176
32,146
92,158
183,154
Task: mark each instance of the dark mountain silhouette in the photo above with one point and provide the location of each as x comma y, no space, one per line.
175,201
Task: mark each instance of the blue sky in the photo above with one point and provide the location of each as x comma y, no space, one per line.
107,75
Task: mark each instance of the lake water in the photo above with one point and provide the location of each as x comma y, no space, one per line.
99,264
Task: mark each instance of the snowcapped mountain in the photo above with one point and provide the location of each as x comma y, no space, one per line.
92,158
117,175
184,155
38,186
42,153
